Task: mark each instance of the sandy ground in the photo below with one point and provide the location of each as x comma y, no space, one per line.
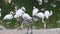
35,31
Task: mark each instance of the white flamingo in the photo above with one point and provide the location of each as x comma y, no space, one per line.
40,15
35,11
8,16
43,15
19,13
47,14
27,20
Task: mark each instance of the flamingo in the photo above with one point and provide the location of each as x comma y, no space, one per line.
27,20
9,16
47,14
19,13
39,14
35,11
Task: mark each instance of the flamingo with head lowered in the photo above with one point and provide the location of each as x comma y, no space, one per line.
27,19
19,13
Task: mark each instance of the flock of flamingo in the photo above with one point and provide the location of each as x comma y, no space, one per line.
27,19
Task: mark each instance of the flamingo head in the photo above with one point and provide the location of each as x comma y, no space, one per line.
34,7
12,13
23,8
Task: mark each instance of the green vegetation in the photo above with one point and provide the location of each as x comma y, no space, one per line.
6,8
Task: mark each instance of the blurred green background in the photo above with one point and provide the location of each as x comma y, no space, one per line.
52,22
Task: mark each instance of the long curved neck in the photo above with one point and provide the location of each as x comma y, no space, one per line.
10,13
